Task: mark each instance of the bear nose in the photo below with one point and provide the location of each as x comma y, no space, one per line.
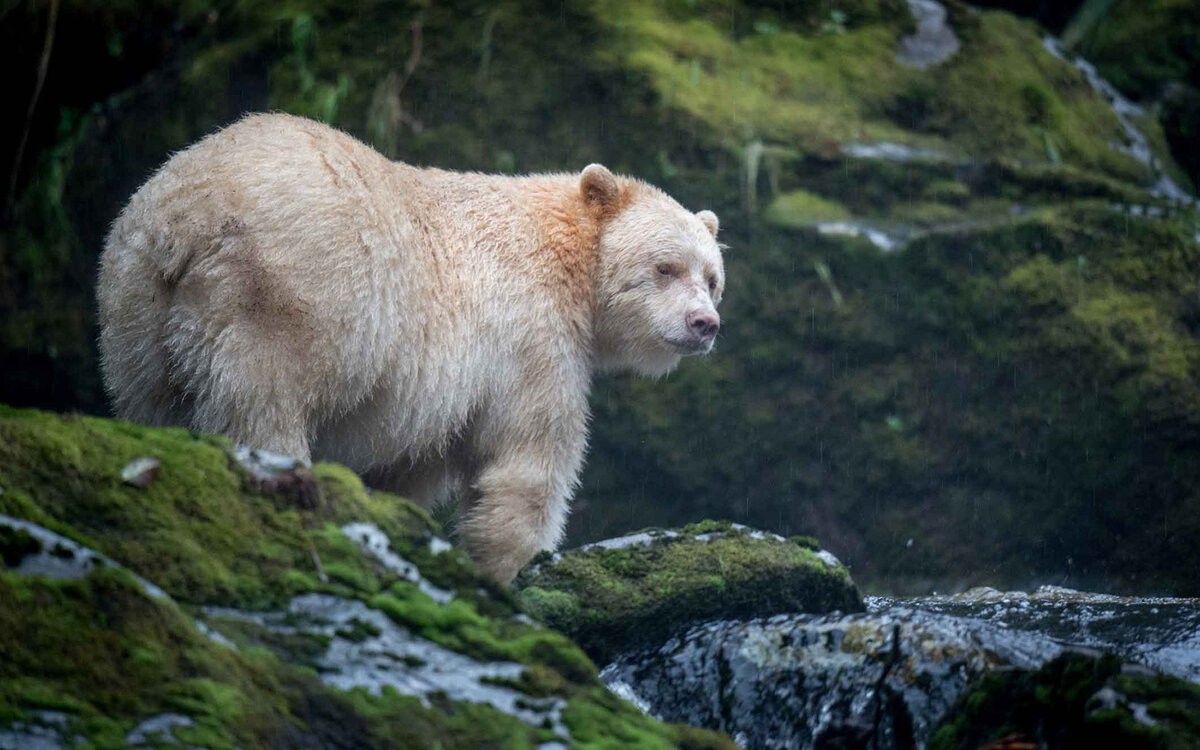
704,324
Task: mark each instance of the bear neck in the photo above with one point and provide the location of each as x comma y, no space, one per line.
568,251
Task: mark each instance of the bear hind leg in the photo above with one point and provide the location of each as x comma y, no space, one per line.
252,392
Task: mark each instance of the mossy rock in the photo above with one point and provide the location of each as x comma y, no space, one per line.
1078,700
637,590
225,600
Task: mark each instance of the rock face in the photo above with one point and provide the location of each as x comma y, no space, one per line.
242,600
928,671
637,590
802,682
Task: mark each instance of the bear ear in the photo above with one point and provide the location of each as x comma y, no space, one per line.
598,186
710,221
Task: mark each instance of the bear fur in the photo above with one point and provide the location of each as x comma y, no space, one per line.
285,284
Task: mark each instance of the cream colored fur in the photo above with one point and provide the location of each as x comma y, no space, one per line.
284,284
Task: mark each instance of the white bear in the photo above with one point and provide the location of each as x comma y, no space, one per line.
284,284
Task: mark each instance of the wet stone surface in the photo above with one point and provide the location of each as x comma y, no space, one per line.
1162,633
44,730
934,41
375,543
888,676
50,554
360,647
790,681
156,731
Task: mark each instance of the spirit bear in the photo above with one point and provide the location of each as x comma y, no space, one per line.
285,284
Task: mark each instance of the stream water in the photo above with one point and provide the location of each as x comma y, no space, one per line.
795,681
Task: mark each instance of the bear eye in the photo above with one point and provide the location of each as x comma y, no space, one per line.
665,269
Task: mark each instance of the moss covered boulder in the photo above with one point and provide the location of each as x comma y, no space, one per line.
160,588
1079,700
636,590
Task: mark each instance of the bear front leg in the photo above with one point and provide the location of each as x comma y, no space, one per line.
517,506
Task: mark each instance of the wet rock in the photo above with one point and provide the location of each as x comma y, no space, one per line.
277,474
33,550
1079,699
888,678
1161,633
888,151
361,647
637,590
156,731
375,543
140,472
934,41
880,238
807,682
42,730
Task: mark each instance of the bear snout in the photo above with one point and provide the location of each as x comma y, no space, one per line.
703,324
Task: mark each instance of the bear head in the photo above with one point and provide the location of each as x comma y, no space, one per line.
661,275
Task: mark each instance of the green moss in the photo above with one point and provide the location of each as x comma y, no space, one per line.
927,214
936,195
1001,96
1143,46
1054,704
401,721
109,656
200,531
1005,95
611,600
554,606
948,191
799,208
101,650
592,725
459,627
786,87
708,526
1042,184
807,542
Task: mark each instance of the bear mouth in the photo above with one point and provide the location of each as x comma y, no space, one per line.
690,347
